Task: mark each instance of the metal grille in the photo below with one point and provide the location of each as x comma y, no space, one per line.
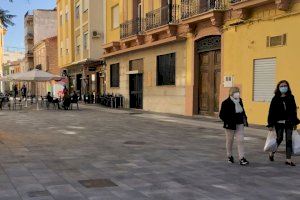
132,27
169,14
209,44
190,8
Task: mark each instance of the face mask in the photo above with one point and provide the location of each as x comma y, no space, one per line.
283,89
236,95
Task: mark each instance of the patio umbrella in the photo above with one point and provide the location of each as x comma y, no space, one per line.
35,75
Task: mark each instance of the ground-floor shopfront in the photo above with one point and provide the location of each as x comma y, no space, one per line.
152,79
86,78
182,77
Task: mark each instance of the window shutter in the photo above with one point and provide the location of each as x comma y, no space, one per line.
264,79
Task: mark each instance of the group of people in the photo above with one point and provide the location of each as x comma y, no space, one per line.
23,91
282,118
66,100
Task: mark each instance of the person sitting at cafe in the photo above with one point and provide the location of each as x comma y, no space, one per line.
66,101
74,97
50,99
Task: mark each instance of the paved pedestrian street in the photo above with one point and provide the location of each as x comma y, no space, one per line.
102,154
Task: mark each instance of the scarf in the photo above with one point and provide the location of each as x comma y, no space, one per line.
238,107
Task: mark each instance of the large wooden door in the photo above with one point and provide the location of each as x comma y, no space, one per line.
209,82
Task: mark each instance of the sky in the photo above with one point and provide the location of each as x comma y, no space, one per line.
14,38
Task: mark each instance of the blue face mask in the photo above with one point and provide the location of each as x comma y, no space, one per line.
283,89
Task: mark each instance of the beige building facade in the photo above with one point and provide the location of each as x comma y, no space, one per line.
80,39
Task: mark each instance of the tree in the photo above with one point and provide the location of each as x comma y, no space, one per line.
6,18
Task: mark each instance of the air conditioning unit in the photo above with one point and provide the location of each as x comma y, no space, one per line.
96,34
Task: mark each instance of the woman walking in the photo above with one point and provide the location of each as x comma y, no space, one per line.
283,117
234,117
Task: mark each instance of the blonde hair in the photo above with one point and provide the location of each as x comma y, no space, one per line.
233,90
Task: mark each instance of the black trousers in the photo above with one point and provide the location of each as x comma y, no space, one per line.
280,129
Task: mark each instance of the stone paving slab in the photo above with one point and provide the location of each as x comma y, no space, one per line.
44,154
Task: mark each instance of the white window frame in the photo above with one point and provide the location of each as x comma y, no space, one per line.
86,41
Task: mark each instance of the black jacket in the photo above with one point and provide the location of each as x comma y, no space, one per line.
228,115
277,111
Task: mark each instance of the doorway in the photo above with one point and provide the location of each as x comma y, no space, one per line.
209,75
136,91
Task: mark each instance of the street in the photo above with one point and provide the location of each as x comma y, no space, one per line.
102,154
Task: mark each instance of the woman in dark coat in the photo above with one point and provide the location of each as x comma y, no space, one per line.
283,117
234,117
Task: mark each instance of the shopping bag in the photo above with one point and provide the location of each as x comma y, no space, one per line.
296,142
271,143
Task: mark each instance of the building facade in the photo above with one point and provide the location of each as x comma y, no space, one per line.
182,56
165,56
261,42
39,25
45,58
80,39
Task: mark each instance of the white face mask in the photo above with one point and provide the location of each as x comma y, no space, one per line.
236,95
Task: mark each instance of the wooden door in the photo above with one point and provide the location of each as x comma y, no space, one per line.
209,82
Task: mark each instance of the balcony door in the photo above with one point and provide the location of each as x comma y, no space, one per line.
137,15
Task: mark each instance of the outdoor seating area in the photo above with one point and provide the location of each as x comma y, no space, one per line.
111,100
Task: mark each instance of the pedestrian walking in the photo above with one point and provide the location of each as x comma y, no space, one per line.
15,91
283,117
24,91
234,117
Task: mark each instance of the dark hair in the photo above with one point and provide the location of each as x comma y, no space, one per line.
277,91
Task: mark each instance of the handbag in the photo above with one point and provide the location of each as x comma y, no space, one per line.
271,142
296,142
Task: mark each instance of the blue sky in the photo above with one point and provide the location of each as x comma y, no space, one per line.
15,34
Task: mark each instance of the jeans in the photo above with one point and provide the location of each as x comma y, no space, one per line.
280,129
239,134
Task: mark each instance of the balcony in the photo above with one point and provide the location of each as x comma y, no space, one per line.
132,27
169,14
195,11
162,22
132,32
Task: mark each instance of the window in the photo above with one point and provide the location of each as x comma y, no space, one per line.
67,15
115,75
61,19
264,79
78,45
67,46
77,13
86,41
85,5
61,48
166,69
115,17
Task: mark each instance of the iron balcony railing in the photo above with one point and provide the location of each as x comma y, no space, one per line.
190,8
169,14
132,27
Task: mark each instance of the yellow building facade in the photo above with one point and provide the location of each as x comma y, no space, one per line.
182,56
261,44
80,37
152,47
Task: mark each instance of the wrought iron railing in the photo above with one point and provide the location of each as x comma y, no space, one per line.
190,8
169,14
235,1
132,27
